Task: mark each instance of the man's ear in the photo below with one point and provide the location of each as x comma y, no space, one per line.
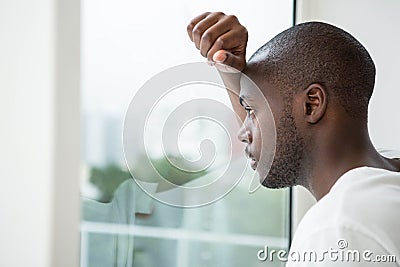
315,101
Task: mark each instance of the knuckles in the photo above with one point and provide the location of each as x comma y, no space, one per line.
197,31
207,37
244,32
232,18
220,42
189,27
218,14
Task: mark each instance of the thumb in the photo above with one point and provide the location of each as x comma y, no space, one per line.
228,62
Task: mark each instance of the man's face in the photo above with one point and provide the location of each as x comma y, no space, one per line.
274,144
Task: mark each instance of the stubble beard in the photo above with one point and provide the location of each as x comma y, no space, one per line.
287,168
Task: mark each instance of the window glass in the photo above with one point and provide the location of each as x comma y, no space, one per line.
124,44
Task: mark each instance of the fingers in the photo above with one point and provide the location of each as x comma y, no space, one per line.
234,41
212,32
194,22
199,31
228,62
202,32
220,56
204,29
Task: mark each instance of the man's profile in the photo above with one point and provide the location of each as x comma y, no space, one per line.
318,80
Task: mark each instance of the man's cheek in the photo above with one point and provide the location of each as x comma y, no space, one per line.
267,130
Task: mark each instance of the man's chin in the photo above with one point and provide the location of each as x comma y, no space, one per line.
265,178
275,182
271,185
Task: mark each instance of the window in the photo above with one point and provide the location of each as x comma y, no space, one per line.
124,44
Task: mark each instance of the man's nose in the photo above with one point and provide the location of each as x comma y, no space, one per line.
244,134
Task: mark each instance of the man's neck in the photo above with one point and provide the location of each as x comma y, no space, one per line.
333,159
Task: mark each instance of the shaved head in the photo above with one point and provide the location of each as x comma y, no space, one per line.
316,52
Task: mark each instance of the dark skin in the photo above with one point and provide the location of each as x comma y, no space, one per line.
334,142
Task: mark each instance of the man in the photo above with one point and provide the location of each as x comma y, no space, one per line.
318,80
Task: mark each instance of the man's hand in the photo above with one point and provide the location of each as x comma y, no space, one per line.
220,38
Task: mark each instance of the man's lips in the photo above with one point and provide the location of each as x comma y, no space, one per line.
253,162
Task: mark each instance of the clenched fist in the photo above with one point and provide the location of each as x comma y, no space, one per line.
220,38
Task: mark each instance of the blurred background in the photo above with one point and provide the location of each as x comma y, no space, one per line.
124,44
68,71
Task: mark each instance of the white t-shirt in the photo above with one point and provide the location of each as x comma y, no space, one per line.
356,224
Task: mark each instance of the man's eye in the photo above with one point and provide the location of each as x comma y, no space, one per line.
249,110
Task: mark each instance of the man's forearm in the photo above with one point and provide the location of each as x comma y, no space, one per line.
232,85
